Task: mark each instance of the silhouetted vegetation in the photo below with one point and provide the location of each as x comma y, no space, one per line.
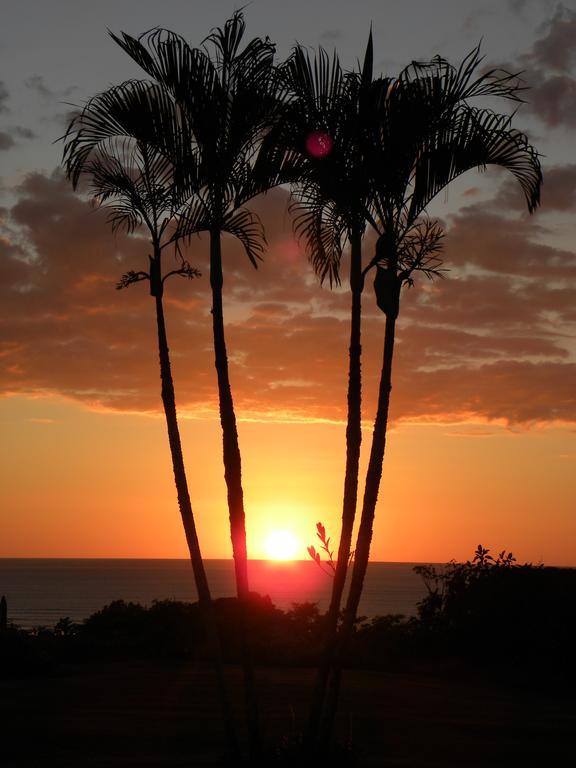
516,621
497,612
519,621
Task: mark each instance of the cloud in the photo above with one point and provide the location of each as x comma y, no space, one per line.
491,342
6,141
4,95
512,392
549,71
482,238
553,100
556,50
23,133
37,84
558,192
51,96
518,6
7,138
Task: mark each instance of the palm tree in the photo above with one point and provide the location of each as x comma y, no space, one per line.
332,206
226,97
314,144
424,135
111,143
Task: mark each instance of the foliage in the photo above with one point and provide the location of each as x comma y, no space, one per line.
497,611
325,546
211,104
516,619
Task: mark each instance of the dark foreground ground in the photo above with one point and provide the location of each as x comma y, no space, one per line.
148,714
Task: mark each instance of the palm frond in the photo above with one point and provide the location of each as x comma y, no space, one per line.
227,41
135,110
474,139
324,232
330,193
194,216
131,277
247,227
420,249
185,270
368,64
226,96
439,80
167,58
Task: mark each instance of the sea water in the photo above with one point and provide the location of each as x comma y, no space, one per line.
41,591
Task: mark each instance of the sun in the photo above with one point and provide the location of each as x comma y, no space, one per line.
281,545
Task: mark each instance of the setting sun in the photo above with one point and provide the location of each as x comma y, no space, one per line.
281,545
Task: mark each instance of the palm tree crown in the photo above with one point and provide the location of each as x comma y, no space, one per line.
224,98
114,143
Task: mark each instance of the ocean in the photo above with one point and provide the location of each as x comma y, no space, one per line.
41,591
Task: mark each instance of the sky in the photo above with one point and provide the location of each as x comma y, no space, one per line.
482,441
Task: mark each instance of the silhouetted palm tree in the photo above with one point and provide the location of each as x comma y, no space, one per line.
315,145
425,134
112,143
225,95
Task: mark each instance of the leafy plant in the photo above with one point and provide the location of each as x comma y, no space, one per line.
325,546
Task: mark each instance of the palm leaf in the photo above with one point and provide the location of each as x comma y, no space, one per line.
132,111
475,138
324,231
247,227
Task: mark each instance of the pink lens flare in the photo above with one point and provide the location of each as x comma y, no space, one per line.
319,144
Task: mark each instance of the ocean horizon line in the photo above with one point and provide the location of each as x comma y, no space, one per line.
5,558
214,560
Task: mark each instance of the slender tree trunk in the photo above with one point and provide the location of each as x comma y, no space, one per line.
362,552
353,443
204,597
233,477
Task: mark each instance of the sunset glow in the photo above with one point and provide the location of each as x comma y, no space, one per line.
281,545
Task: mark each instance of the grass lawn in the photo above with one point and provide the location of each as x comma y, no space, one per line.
149,714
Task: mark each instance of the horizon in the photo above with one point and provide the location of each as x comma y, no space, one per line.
271,561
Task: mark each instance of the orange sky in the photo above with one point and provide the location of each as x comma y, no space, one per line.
482,448
85,484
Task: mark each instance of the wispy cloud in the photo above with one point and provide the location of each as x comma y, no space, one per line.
4,96
6,141
549,69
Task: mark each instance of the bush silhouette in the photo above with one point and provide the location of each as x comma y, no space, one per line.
494,611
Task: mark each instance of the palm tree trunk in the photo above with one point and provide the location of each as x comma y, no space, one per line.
362,552
233,477
353,443
204,597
